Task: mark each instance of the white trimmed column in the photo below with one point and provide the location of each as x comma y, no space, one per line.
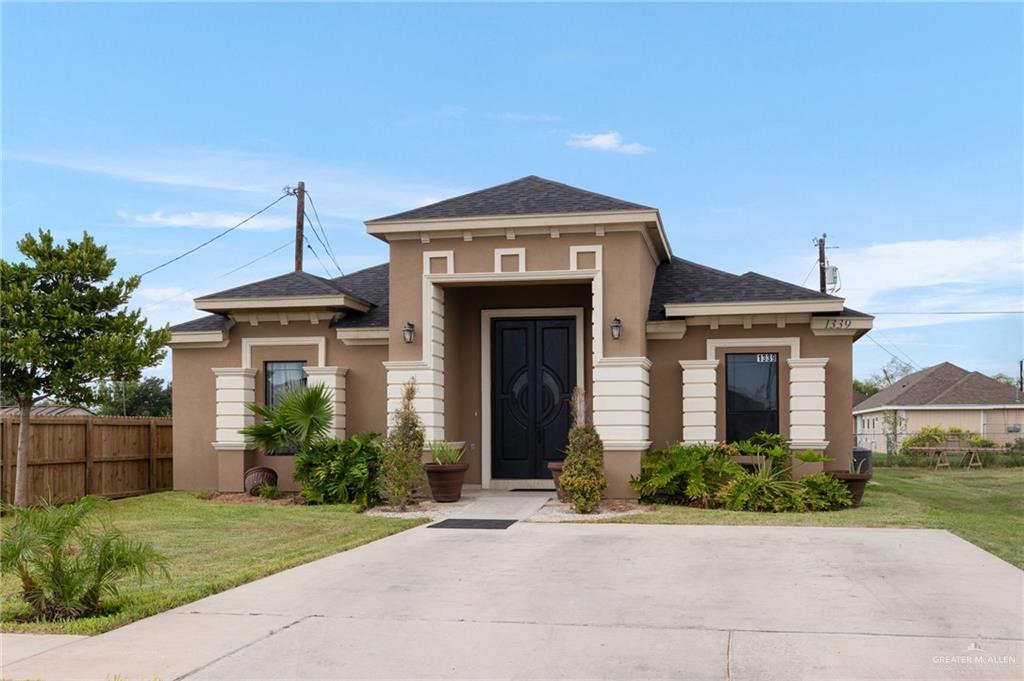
622,403
236,387
333,379
699,400
807,403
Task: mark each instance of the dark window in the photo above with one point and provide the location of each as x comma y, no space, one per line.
283,377
751,394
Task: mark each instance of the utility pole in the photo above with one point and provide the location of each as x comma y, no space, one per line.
300,218
820,243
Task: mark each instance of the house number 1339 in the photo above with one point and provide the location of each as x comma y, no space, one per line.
767,358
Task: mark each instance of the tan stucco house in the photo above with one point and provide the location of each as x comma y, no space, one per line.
498,303
943,396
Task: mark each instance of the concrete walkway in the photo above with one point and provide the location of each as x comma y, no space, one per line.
592,601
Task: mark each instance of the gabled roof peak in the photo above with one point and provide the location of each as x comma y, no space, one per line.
530,195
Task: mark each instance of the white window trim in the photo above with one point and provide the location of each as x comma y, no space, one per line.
486,316
249,343
520,254
714,344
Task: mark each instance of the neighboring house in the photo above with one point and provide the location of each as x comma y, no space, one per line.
48,410
498,303
943,396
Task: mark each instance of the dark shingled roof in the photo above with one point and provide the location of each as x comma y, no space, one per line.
211,322
943,384
681,281
291,284
526,196
371,285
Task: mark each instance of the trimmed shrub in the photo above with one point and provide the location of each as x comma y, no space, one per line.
685,474
823,492
401,469
68,562
583,478
334,471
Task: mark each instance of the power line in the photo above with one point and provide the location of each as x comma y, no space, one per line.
887,350
315,255
210,241
809,272
327,250
255,260
240,267
901,351
328,247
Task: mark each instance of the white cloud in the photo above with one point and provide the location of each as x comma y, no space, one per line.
931,276
606,141
206,220
338,192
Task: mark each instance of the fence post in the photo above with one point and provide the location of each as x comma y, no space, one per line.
4,454
88,456
11,456
152,454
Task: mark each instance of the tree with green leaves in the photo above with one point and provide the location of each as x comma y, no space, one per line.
148,397
66,326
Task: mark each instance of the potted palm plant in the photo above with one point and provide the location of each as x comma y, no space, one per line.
447,473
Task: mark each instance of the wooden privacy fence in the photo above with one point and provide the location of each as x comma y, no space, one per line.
72,456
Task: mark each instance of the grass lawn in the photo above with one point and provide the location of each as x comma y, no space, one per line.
985,507
211,547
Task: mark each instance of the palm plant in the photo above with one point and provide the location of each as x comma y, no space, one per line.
67,563
301,418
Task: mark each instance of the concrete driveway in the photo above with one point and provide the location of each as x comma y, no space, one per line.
592,601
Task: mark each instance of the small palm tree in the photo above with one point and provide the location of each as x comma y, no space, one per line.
301,418
67,562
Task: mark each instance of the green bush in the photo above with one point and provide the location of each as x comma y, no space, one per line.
932,436
67,561
685,474
583,478
823,492
401,469
766,489
707,475
268,491
333,471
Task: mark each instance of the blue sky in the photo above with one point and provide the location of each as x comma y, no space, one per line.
897,129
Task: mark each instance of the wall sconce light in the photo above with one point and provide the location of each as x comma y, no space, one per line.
408,332
616,329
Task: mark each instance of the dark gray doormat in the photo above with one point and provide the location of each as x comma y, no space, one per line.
474,524
525,489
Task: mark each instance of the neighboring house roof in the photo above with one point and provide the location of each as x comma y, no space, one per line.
680,281
49,410
529,195
291,284
858,397
943,385
211,322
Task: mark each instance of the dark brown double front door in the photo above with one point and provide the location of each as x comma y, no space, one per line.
533,372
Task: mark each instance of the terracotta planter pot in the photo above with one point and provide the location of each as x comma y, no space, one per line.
446,480
556,474
261,475
855,482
